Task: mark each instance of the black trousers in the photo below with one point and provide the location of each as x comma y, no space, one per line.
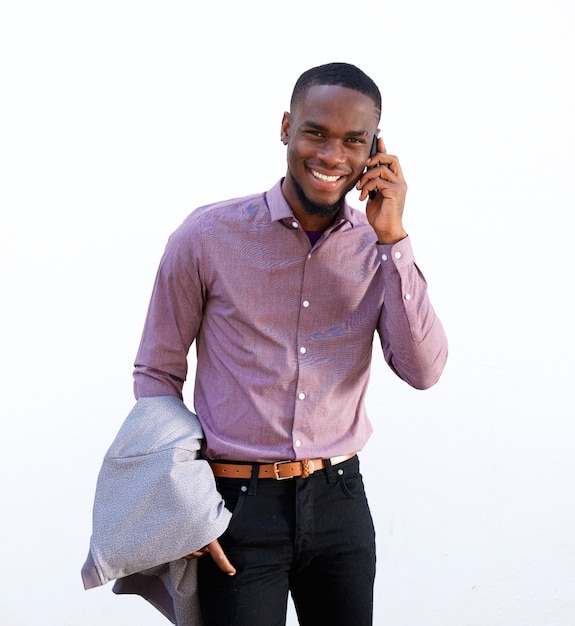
313,537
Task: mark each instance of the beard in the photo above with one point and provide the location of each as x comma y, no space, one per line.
313,208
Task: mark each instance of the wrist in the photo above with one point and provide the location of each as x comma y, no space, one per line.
389,238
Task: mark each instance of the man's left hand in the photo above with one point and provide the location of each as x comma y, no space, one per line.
385,211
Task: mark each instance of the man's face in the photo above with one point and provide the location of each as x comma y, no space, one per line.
329,136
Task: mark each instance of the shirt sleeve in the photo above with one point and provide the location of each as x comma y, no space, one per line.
412,336
173,319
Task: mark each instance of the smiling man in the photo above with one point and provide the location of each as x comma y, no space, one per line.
328,147
283,293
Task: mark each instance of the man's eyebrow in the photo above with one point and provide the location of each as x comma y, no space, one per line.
350,133
315,125
358,133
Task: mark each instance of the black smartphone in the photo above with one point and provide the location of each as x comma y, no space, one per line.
372,152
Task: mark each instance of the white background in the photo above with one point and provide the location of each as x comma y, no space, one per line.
117,118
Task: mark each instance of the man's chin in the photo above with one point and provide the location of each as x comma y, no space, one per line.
321,210
319,205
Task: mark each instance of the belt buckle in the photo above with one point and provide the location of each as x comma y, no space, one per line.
277,470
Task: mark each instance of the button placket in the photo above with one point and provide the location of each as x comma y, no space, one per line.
305,324
303,350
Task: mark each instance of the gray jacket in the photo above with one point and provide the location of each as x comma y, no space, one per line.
155,502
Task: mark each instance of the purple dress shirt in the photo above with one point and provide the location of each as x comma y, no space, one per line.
284,331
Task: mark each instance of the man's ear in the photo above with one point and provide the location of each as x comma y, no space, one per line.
286,125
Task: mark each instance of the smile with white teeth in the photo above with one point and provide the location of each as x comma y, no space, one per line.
328,179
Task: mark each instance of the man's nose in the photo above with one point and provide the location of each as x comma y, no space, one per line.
332,152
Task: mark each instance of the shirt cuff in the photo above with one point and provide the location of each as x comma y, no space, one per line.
395,255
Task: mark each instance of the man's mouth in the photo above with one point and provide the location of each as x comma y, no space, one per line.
324,177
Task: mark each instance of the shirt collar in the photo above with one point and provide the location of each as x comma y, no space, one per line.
280,209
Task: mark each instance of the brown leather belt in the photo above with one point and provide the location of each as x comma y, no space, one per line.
281,470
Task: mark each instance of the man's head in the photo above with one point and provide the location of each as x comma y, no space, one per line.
338,74
335,111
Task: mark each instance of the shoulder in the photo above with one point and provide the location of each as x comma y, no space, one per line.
212,219
234,209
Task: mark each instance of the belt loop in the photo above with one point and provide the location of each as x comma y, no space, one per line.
253,488
331,476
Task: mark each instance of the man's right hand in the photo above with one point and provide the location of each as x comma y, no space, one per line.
215,550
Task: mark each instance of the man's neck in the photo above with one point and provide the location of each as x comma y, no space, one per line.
313,222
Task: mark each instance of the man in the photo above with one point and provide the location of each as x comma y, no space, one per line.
283,292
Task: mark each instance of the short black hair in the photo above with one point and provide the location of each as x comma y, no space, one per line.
340,74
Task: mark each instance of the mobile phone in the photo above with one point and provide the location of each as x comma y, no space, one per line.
373,152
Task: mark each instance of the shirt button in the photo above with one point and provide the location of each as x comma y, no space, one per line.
407,296
309,256
295,224
305,303
303,350
297,443
301,396
384,257
397,255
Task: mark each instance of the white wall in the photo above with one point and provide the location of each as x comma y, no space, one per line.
118,117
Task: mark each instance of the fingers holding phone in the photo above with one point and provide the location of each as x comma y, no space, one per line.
380,166
383,183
